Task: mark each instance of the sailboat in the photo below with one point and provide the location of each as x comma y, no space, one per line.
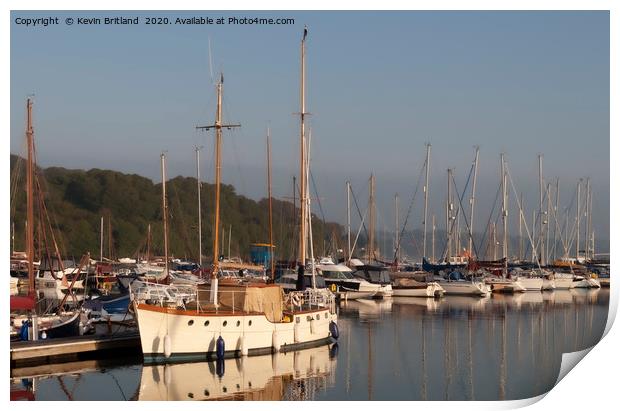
230,320
27,322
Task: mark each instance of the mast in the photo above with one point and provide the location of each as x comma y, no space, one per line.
164,208
521,214
541,232
302,163
229,235
148,244
504,216
433,238
396,238
555,212
428,160
309,212
30,197
547,222
348,221
271,265
198,188
101,240
371,234
587,216
590,231
449,217
218,169
578,218
472,203
110,235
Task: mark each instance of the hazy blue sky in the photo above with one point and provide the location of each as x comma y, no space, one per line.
380,84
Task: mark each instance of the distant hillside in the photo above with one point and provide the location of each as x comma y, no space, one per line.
76,200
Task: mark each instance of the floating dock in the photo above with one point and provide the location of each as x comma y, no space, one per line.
25,353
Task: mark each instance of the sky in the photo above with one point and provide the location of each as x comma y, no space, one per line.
379,86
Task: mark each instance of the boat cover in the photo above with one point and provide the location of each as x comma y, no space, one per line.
254,298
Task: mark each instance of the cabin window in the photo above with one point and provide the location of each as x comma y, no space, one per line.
190,322
325,315
207,393
238,323
190,395
225,323
297,320
318,316
308,318
250,322
207,323
224,389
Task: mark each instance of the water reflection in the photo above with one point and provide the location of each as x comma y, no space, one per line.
454,348
292,376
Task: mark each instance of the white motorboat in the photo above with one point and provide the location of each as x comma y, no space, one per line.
339,278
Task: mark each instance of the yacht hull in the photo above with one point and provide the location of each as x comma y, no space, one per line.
193,335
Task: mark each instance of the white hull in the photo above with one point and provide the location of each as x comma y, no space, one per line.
385,291
531,283
586,283
465,288
191,335
505,286
431,290
563,283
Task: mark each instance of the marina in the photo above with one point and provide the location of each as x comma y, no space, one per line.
471,285
402,348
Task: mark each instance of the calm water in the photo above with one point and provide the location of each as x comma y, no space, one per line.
456,348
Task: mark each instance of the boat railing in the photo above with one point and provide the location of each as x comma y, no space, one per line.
311,298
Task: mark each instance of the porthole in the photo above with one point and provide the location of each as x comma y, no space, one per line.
238,387
238,323
190,395
325,315
250,384
224,389
190,322
318,316
297,320
309,318
224,323
207,393
207,323
250,322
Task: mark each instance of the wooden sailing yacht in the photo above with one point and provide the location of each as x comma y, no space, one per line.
27,321
229,320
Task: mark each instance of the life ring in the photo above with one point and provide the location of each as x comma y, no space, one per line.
297,300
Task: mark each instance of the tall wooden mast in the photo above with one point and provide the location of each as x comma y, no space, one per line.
30,197
271,256
302,163
199,184
164,208
218,169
